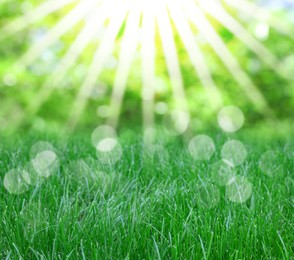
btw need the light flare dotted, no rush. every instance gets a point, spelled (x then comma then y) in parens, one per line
(127, 51)
(138, 23)
(99, 59)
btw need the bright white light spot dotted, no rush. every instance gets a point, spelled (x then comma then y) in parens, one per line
(48, 56)
(45, 163)
(40, 147)
(160, 85)
(231, 119)
(107, 145)
(208, 195)
(111, 63)
(109, 151)
(201, 147)
(262, 31)
(103, 132)
(234, 153)
(176, 122)
(221, 173)
(271, 163)
(161, 108)
(14, 181)
(9, 79)
(238, 189)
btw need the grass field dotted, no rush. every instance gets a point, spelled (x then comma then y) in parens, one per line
(156, 202)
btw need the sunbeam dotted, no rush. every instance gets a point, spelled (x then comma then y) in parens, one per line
(99, 59)
(128, 48)
(67, 23)
(146, 129)
(196, 56)
(226, 56)
(262, 15)
(148, 65)
(131, 26)
(239, 31)
(32, 17)
(170, 53)
(85, 36)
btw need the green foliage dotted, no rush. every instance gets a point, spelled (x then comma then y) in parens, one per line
(278, 91)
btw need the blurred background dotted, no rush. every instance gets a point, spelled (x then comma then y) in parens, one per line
(78, 64)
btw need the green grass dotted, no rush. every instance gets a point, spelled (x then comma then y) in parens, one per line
(144, 209)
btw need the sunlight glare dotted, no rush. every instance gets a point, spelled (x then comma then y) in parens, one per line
(125, 29)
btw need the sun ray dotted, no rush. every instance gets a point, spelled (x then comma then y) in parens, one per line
(92, 26)
(194, 52)
(71, 19)
(33, 16)
(171, 56)
(228, 59)
(265, 55)
(263, 15)
(128, 48)
(137, 22)
(103, 52)
(148, 66)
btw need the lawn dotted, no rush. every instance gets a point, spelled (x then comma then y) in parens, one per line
(197, 158)
(155, 201)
